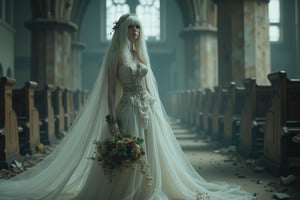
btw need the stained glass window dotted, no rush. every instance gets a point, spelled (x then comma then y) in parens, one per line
(274, 20)
(148, 12)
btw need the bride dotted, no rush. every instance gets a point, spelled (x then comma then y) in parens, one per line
(126, 90)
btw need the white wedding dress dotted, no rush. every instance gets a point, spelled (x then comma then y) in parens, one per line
(69, 174)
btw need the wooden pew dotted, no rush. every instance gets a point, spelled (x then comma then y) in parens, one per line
(188, 108)
(28, 117)
(78, 101)
(179, 103)
(59, 112)
(9, 132)
(215, 112)
(43, 102)
(181, 109)
(68, 107)
(218, 109)
(207, 110)
(192, 105)
(185, 109)
(199, 109)
(232, 114)
(176, 105)
(85, 95)
(172, 96)
(254, 108)
(281, 152)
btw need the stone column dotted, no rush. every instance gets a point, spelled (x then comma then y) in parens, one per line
(51, 30)
(75, 79)
(243, 41)
(201, 63)
(200, 36)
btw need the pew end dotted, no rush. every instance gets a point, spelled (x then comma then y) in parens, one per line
(9, 136)
(281, 154)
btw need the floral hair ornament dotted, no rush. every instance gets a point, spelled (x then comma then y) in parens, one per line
(118, 23)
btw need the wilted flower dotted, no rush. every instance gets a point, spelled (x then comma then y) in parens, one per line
(126, 140)
(119, 144)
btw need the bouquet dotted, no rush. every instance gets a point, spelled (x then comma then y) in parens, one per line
(121, 152)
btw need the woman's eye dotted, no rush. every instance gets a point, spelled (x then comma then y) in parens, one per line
(134, 26)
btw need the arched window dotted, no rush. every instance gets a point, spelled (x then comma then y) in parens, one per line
(114, 9)
(147, 10)
(274, 20)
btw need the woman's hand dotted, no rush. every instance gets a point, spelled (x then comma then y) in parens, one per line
(114, 129)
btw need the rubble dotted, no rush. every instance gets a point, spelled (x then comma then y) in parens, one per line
(281, 196)
(27, 161)
(288, 179)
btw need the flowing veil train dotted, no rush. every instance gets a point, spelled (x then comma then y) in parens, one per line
(67, 173)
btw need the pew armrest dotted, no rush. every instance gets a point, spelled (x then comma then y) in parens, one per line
(296, 139)
(236, 120)
(45, 120)
(258, 122)
(20, 129)
(291, 131)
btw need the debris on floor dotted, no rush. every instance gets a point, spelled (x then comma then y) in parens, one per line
(281, 196)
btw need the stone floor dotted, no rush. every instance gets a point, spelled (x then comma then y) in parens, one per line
(217, 163)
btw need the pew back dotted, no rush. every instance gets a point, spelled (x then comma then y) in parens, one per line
(233, 107)
(28, 117)
(254, 108)
(43, 102)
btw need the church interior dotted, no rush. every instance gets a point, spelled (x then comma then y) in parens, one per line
(228, 74)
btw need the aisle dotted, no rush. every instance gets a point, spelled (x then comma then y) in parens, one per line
(215, 163)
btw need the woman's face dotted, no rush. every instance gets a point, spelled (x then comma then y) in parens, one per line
(133, 32)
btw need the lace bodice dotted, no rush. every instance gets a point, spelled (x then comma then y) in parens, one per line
(135, 94)
(131, 75)
(131, 79)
